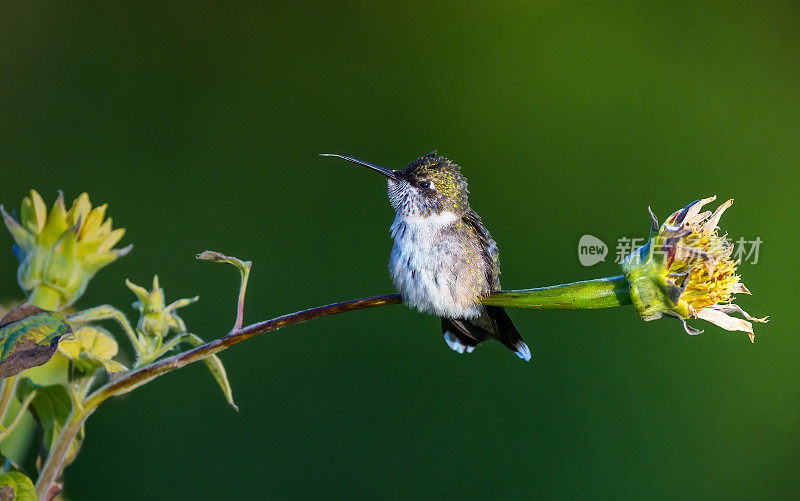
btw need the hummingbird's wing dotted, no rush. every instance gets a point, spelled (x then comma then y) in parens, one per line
(462, 335)
(489, 251)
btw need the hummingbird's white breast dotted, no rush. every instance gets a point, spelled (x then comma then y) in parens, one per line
(433, 269)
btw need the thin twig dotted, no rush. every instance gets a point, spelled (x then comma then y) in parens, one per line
(131, 380)
(136, 378)
(245, 275)
(107, 312)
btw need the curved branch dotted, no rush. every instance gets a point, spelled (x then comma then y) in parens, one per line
(133, 379)
(600, 293)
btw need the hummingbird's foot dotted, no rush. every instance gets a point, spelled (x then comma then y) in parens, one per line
(456, 344)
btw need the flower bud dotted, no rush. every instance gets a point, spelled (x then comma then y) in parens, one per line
(60, 251)
(156, 319)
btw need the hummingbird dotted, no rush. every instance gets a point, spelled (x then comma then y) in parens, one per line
(444, 259)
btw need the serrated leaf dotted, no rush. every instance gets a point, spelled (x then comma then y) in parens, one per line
(16, 486)
(214, 365)
(51, 407)
(29, 337)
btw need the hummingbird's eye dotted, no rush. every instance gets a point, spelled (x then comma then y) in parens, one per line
(425, 185)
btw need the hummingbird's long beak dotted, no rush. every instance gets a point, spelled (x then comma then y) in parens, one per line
(391, 174)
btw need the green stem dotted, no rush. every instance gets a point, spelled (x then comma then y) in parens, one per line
(54, 464)
(22, 408)
(245, 271)
(158, 353)
(45, 297)
(108, 312)
(9, 386)
(590, 294)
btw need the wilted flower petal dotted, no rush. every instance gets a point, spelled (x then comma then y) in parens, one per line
(721, 319)
(686, 270)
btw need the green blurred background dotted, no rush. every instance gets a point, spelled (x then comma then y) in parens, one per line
(201, 124)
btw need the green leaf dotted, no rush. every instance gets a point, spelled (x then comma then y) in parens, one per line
(29, 337)
(51, 407)
(16, 486)
(214, 365)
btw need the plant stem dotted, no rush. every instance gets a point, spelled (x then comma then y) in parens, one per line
(590, 294)
(107, 312)
(22, 408)
(51, 469)
(136, 378)
(245, 273)
(601, 293)
(9, 386)
(55, 460)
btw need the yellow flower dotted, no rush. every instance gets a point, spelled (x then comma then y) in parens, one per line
(686, 271)
(90, 347)
(60, 251)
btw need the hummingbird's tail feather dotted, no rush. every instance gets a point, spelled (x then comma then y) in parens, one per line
(456, 344)
(463, 335)
(504, 330)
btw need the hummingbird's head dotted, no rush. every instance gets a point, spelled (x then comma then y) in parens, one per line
(428, 186)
